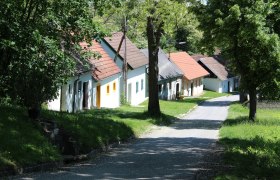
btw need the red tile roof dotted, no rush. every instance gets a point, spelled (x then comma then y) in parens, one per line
(103, 67)
(135, 58)
(188, 65)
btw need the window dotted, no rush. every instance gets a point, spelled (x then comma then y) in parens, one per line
(137, 84)
(108, 89)
(114, 86)
(142, 84)
(170, 85)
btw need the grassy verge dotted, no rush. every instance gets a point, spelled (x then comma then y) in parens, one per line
(211, 94)
(252, 148)
(99, 127)
(21, 142)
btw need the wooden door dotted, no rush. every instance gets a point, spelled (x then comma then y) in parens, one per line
(85, 95)
(98, 100)
(177, 91)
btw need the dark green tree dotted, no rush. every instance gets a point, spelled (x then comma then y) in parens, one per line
(177, 17)
(241, 30)
(36, 41)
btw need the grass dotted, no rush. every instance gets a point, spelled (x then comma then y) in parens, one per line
(23, 144)
(253, 148)
(21, 141)
(99, 127)
(212, 94)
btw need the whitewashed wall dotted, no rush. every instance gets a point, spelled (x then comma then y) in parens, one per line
(225, 87)
(79, 95)
(133, 76)
(213, 84)
(64, 101)
(111, 99)
(169, 92)
(217, 85)
(197, 87)
(55, 103)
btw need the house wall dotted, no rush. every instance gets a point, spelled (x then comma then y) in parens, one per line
(217, 85)
(133, 76)
(64, 101)
(192, 90)
(55, 103)
(67, 93)
(213, 84)
(168, 88)
(79, 91)
(198, 86)
(137, 79)
(111, 99)
(225, 87)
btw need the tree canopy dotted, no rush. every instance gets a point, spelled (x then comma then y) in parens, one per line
(250, 42)
(36, 38)
(181, 23)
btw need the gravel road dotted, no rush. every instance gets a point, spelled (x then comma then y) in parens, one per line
(165, 153)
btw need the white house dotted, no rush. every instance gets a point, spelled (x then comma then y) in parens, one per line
(219, 79)
(169, 78)
(193, 73)
(137, 64)
(97, 86)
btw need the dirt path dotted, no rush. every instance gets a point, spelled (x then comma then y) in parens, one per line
(166, 153)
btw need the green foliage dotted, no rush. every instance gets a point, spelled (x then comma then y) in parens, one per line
(36, 41)
(21, 142)
(100, 127)
(123, 99)
(252, 148)
(92, 129)
(241, 30)
(176, 15)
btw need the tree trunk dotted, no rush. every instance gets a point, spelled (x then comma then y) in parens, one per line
(242, 94)
(253, 104)
(153, 106)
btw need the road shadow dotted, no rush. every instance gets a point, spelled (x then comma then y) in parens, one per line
(197, 124)
(215, 103)
(148, 158)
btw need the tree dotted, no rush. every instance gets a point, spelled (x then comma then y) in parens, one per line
(154, 33)
(36, 41)
(240, 29)
(178, 16)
